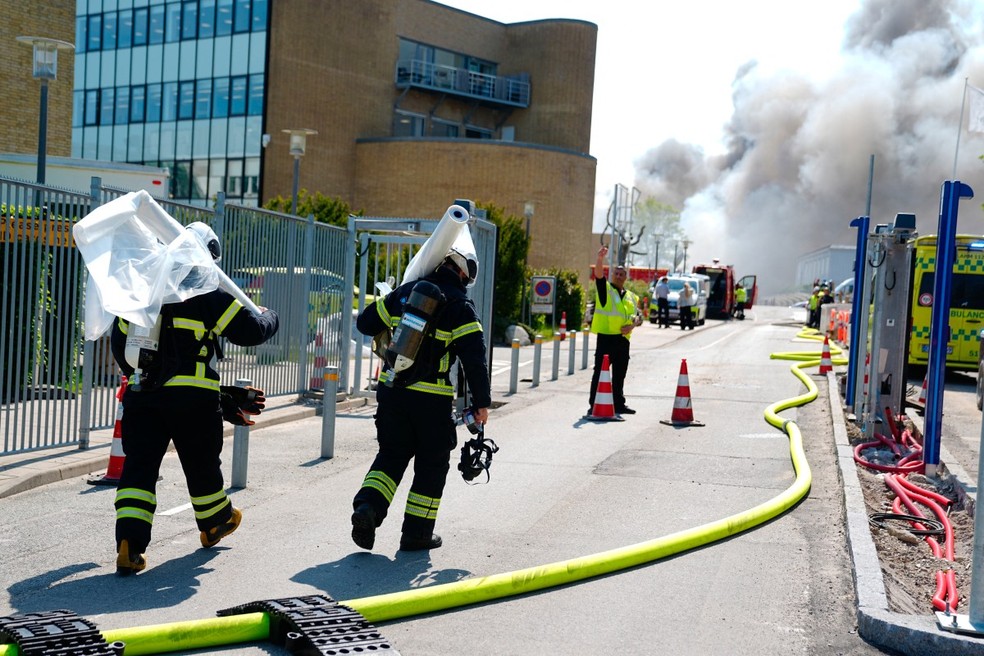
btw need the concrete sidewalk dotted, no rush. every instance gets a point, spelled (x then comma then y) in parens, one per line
(27, 470)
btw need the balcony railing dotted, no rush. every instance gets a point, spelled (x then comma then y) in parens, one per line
(513, 90)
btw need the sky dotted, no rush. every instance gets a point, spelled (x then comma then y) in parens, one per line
(758, 120)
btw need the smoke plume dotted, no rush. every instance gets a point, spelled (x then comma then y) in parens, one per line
(798, 151)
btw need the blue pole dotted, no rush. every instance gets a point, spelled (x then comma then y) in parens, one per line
(861, 223)
(939, 332)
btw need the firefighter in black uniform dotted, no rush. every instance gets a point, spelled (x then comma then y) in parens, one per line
(414, 417)
(180, 402)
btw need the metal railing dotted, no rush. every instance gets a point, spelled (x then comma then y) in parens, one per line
(55, 387)
(508, 90)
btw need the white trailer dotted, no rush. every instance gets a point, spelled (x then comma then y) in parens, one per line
(76, 174)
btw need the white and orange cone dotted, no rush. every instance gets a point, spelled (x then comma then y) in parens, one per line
(604, 403)
(116, 455)
(922, 391)
(317, 380)
(563, 325)
(826, 366)
(683, 411)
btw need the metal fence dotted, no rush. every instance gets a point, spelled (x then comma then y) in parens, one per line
(55, 387)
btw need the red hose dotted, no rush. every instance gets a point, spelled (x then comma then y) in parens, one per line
(908, 494)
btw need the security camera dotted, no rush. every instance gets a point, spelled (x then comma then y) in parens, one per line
(266, 140)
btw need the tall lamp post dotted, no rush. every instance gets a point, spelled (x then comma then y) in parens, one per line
(528, 211)
(45, 69)
(298, 144)
(686, 244)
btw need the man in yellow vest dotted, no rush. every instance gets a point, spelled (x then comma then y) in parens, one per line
(615, 316)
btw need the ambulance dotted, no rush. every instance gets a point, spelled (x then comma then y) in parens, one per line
(966, 302)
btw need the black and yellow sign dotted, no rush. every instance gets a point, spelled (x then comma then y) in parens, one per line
(50, 232)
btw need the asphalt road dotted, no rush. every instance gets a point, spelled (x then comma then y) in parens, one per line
(561, 488)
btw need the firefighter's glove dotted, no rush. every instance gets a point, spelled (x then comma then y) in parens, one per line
(240, 403)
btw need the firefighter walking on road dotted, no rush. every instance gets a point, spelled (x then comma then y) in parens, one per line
(175, 396)
(414, 417)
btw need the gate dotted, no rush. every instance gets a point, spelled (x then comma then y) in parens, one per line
(56, 387)
(384, 248)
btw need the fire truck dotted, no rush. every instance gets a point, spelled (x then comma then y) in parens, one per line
(721, 298)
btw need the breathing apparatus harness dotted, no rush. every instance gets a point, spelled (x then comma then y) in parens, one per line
(476, 453)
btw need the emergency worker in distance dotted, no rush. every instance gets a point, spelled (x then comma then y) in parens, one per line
(414, 418)
(615, 317)
(741, 297)
(176, 398)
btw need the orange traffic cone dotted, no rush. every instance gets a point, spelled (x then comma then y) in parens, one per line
(604, 405)
(563, 325)
(116, 455)
(922, 392)
(826, 366)
(683, 412)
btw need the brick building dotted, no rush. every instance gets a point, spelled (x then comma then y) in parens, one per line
(414, 104)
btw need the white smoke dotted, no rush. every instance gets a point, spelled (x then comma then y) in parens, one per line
(796, 167)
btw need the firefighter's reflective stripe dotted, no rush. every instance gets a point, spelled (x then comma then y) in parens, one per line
(200, 379)
(385, 315)
(193, 325)
(420, 506)
(134, 503)
(203, 505)
(382, 483)
(436, 387)
(227, 316)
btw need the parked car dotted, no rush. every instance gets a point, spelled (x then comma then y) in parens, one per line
(698, 282)
(844, 292)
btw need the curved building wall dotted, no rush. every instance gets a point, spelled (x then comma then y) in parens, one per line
(422, 177)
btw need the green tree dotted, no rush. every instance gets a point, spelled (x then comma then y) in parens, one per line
(662, 223)
(510, 265)
(333, 211)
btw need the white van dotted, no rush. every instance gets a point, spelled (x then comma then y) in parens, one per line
(701, 285)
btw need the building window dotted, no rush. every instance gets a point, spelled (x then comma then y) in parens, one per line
(95, 33)
(237, 103)
(220, 98)
(122, 106)
(107, 104)
(255, 95)
(441, 128)
(169, 102)
(92, 107)
(140, 17)
(472, 132)
(186, 100)
(259, 15)
(223, 17)
(156, 30)
(80, 34)
(172, 21)
(153, 103)
(125, 35)
(243, 19)
(189, 20)
(206, 19)
(109, 31)
(138, 103)
(406, 124)
(203, 99)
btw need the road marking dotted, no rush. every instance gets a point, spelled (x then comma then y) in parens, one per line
(707, 346)
(176, 510)
(496, 372)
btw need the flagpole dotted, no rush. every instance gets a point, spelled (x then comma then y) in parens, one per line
(963, 101)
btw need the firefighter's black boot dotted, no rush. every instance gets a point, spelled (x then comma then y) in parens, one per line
(364, 526)
(411, 542)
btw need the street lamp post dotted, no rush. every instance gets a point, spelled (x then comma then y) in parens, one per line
(686, 244)
(45, 69)
(298, 144)
(528, 211)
